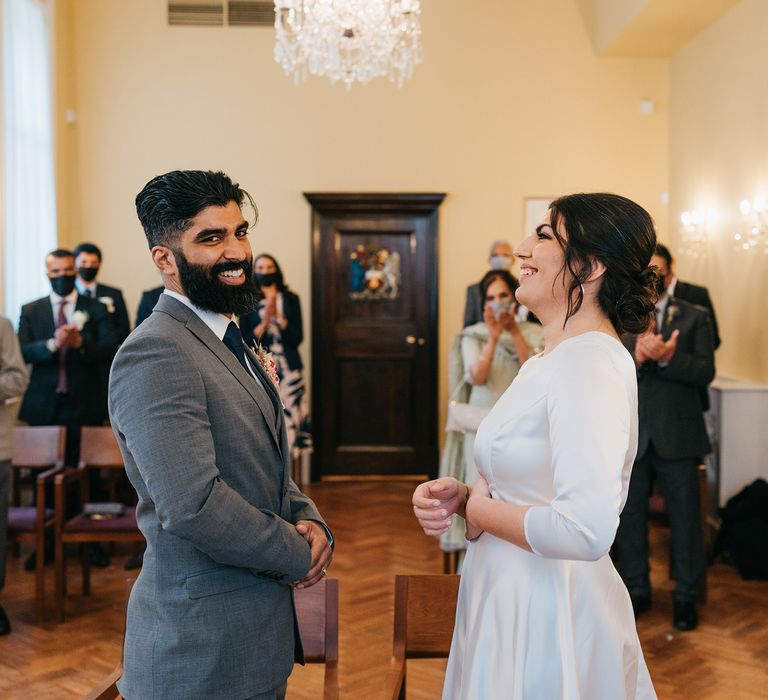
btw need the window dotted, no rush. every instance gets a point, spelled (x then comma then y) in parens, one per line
(29, 196)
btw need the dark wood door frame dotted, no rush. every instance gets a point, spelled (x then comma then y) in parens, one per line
(334, 209)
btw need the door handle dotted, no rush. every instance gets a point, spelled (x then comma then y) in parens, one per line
(410, 339)
(421, 341)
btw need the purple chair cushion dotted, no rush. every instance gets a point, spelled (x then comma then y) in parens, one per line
(24, 519)
(82, 523)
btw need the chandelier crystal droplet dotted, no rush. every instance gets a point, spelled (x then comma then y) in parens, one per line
(348, 40)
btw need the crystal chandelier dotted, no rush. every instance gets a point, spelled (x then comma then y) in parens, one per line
(348, 40)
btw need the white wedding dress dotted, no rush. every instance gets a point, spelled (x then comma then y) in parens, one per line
(555, 623)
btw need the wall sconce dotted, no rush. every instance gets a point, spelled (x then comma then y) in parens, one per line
(693, 233)
(752, 233)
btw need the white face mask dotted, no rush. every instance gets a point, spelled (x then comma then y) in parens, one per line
(501, 262)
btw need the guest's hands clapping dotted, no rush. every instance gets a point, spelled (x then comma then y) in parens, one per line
(68, 336)
(314, 533)
(434, 502)
(651, 346)
(495, 324)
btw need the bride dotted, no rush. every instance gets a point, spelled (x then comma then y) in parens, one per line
(542, 613)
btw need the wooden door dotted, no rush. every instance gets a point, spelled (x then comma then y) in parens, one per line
(374, 333)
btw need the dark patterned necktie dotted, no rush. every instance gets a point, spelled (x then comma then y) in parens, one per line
(233, 339)
(61, 385)
(87, 292)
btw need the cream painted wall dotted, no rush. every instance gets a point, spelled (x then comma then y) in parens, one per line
(718, 149)
(510, 101)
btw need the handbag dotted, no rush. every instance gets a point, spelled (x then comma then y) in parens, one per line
(463, 417)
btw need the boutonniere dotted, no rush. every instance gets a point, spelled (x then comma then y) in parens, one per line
(268, 364)
(672, 311)
(79, 319)
(109, 302)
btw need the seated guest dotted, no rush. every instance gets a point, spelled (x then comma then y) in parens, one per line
(67, 338)
(13, 381)
(485, 358)
(277, 327)
(147, 304)
(88, 263)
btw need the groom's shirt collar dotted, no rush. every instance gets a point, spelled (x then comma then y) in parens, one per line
(218, 323)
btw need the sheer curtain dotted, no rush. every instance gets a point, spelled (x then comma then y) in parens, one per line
(29, 196)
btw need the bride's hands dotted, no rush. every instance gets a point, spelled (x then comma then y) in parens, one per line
(434, 502)
(478, 493)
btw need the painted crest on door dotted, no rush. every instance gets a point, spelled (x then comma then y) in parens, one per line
(374, 273)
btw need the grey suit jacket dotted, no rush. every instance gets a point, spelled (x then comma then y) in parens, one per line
(211, 614)
(669, 397)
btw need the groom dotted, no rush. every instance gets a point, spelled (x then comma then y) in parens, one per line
(201, 429)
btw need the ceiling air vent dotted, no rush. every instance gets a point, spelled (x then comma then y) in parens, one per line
(251, 13)
(196, 13)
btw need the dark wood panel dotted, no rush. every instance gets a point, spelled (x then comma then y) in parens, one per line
(373, 404)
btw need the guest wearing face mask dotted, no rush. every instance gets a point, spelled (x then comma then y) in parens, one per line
(88, 263)
(500, 257)
(66, 338)
(276, 327)
(485, 357)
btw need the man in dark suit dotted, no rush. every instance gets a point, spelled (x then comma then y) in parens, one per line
(201, 429)
(692, 293)
(147, 303)
(88, 263)
(675, 362)
(67, 338)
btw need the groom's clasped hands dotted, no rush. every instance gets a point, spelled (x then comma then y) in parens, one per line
(320, 549)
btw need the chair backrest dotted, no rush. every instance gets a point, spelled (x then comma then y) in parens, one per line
(38, 446)
(317, 609)
(98, 447)
(425, 614)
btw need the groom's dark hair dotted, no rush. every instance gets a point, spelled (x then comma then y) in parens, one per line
(168, 203)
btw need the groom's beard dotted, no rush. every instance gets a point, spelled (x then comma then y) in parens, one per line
(204, 289)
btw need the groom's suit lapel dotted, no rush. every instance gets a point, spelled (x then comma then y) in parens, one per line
(195, 325)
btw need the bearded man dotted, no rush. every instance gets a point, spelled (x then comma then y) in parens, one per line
(201, 429)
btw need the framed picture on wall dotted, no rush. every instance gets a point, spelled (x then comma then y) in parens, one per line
(534, 210)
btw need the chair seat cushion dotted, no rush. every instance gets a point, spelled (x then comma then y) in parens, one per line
(24, 519)
(124, 523)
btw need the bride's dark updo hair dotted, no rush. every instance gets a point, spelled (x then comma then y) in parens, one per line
(620, 234)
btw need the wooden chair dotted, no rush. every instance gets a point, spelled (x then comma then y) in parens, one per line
(98, 450)
(657, 513)
(36, 448)
(425, 613)
(317, 609)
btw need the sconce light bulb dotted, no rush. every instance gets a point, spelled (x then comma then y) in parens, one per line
(686, 218)
(745, 207)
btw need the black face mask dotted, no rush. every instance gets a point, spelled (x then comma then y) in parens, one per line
(87, 274)
(201, 284)
(63, 284)
(266, 280)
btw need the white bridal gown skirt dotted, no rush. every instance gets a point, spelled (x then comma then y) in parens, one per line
(533, 628)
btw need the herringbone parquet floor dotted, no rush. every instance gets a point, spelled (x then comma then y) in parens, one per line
(377, 537)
